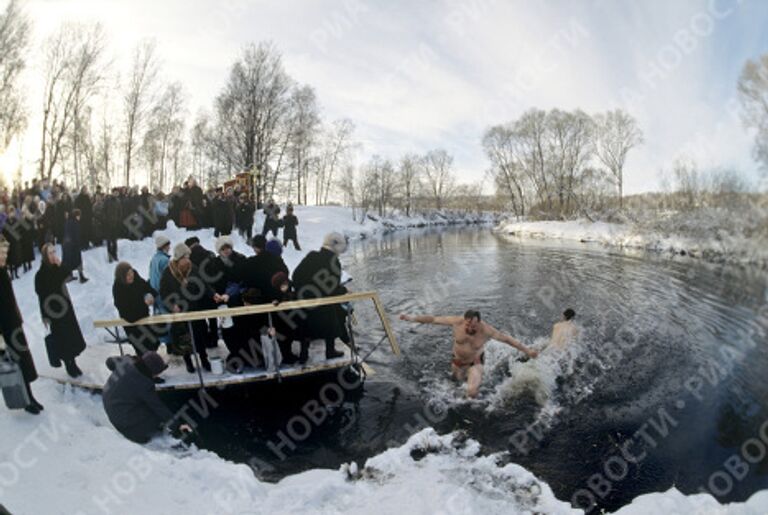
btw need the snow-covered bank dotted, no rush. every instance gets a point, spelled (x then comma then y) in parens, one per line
(70, 460)
(710, 235)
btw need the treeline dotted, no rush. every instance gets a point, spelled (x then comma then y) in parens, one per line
(109, 124)
(559, 164)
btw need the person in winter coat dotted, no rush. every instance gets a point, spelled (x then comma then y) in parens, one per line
(204, 270)
(12, 332)
(131, 401)
(56, 309)
(244, 217)
(72, 247)
(181, 290)
(290, 222)
(29, 232)
(112, 223)
(223, 214)
(12, 233)
(157, 266)
(226, 270)
(132, 297)
(85, 205)
(271, 218)
(317, 276)
(287, 326)
(257, 271)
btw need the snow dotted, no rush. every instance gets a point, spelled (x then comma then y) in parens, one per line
(714, 235)
(70, 460)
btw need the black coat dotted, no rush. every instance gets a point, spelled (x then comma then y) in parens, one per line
(317, 276)
(84, 204)
(57, 308)
(112, 221)
(223, 215)
(129, 298)
(131, 402)
(227, 274)
(257, 271)
(72, 246)
(244, 215)
(289, 226)
(13, 233)
(12, 330)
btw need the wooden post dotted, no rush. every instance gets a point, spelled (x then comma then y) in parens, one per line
(385, 322)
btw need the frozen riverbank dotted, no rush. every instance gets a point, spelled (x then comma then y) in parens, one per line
(713, 235)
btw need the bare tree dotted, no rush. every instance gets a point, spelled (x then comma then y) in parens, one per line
(137, 99)
(73, 71)
(753, 94)
(439, 177)
(336, 148)
(505, 168)
(305, 120)
(165, 128)
(615, 135)
(14, 39)
(250, 112)
(410, 172)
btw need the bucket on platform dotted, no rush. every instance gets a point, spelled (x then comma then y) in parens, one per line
(217, 366)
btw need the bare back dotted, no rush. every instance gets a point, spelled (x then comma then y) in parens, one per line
(563, 333)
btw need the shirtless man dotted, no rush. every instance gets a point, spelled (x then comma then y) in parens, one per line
(564, 331)
(470, 334)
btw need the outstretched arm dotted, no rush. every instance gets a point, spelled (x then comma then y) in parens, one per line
(429, 319)
(509, 340)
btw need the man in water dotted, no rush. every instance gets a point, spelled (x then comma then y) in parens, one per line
(470, 334)
(564, 331)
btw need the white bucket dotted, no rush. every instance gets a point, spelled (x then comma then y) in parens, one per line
(217, 366)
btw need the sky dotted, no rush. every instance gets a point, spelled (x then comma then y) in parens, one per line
(419, 75)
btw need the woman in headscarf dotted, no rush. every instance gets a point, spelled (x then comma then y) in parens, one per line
(133, 296)
(175, 295)
(56, 309)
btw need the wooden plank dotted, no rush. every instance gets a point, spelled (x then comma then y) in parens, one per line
(385, 322)
(235, 312)
(247, 378)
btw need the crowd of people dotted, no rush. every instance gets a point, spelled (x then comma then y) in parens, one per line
(49, 212)
(37, 217)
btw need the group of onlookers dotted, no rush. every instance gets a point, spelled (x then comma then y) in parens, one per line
(189, 277)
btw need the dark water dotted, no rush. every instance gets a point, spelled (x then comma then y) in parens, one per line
(665, 390)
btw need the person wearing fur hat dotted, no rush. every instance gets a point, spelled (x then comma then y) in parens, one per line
(183, 291)
(317, 276)
(132, 297)
(173, 292)
(131, 402)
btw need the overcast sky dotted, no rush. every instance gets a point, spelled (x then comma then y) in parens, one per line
(416, 75)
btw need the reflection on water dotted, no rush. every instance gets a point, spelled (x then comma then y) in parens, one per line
(671, 350)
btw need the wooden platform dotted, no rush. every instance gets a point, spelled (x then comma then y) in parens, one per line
(93, 360)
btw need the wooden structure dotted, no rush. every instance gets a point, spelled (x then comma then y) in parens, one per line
(179, 379)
